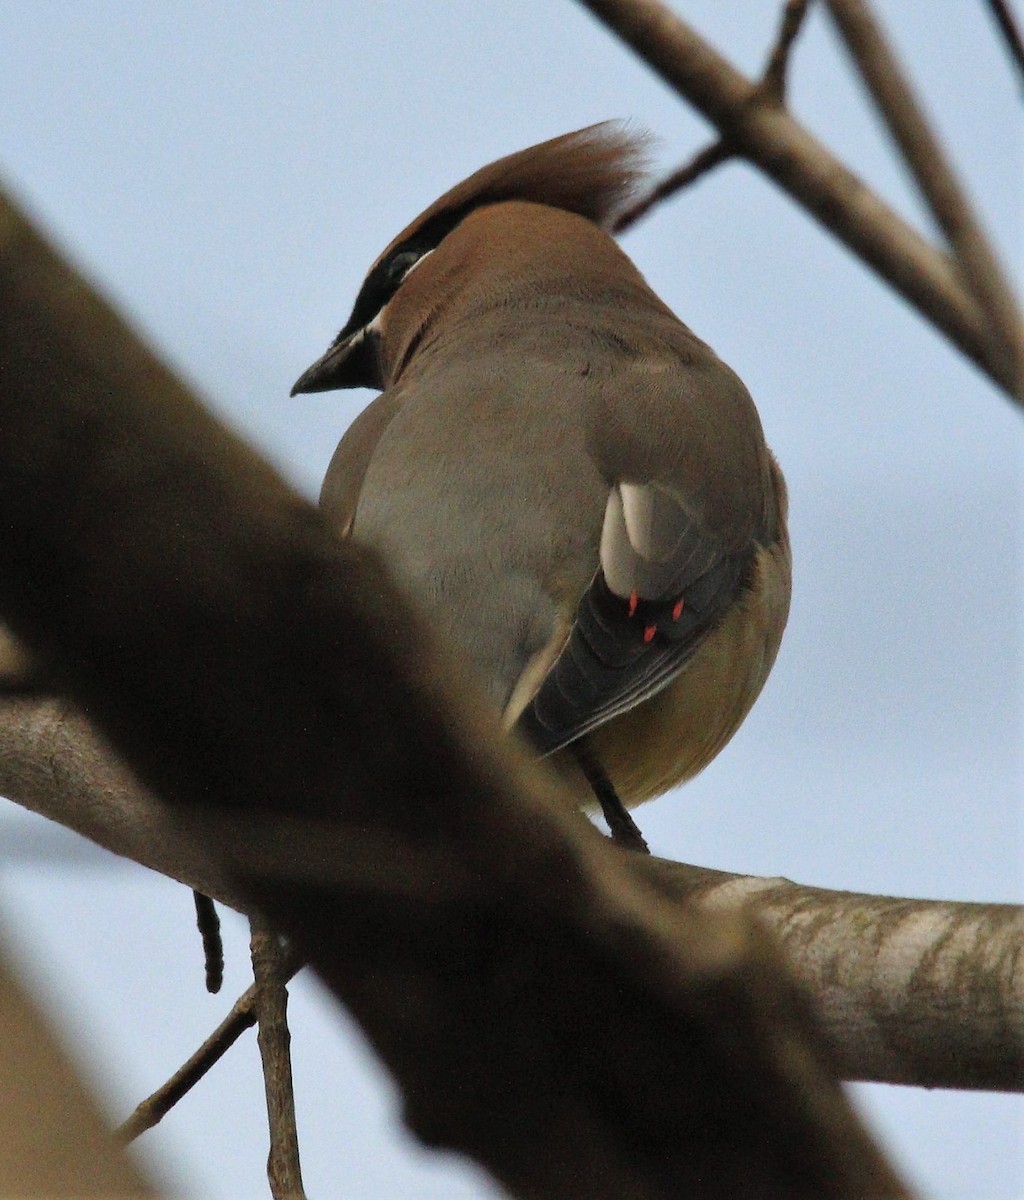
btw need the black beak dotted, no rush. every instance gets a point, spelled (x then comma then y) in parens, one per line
(350, 362)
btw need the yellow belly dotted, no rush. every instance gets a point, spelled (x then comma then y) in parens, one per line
(676, 733)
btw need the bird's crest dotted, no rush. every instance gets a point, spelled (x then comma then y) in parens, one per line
(592, 172)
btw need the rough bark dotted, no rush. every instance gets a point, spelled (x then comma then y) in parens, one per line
(924, 992)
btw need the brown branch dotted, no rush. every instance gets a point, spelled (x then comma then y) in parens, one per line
(772, 87)
(883, 75)
(932, 1033)
(487, 940)
(919, 992)
(155, 1107)
(54, 763)
(703, 161)
(768, 136)
(54, 1139)
(269, 967)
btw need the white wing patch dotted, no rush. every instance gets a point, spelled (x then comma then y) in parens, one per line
(650, 544)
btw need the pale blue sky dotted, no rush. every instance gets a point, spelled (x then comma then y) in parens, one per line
(227, 171)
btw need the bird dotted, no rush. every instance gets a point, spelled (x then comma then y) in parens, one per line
(566, 481)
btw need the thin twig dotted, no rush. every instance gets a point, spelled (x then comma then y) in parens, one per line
(703, 161)
(935, 177)
(769, 138)
(269, 965)
(1000, 10)
(773, 81)
(155, 1107)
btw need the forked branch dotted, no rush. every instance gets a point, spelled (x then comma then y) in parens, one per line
(156, 1106)
(772, 88)
(755, 126)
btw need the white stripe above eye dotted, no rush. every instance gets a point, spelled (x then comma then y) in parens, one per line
(374, 326)
(422, 258)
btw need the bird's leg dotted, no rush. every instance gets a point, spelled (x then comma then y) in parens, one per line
(623, 828)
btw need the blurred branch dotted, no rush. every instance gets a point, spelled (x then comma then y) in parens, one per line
(935, 177)
(773, 82)
(54, 763)
(760, 129)
(54, 1141)
(155, 1107)
(300, 723)
(1000, 11)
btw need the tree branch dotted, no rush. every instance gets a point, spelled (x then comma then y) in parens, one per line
(270, 969)
(935, 177)
(923, 992)
(300, 722)
(960, 1024)
(773, 87)
(54, 763)
(763, 132)
(773, 81)
(1003, 18)
(155, 1107)
(713, 155)
(54, 1139)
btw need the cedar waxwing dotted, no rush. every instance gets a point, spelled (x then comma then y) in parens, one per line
(569, 483)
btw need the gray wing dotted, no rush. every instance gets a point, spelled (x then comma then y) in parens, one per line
(660, 590)
(692, 499)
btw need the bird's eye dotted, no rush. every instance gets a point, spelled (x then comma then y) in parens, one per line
(399, 266)
(381, 284)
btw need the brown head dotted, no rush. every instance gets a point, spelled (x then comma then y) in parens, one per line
(591, 174)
